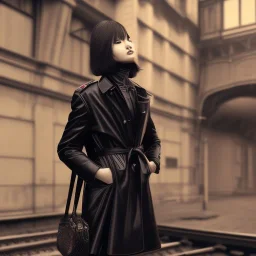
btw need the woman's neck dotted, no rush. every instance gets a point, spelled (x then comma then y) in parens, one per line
(121, 75)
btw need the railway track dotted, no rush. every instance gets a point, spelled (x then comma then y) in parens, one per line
(175, 241)
(37, 243)
(180, 242)
(29, 235)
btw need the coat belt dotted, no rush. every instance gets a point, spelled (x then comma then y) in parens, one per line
(139, 151)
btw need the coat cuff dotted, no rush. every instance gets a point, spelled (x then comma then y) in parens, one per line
(83, 166)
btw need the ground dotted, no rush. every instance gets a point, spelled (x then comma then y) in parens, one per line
(231, 214)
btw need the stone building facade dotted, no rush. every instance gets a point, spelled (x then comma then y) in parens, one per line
(226, 96)
(44, 57)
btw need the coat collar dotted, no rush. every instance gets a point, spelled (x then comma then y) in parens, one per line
(105, 85)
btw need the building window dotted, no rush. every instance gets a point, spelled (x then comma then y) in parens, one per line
(231, 13)
(24, 6)
(211, 19)
(238, 13)
(247, 12)
(81, 29)
(208, 19)
(171, 162)
(18, 26)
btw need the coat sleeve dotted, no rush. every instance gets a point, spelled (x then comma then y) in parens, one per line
(152, 144)
(70, 147)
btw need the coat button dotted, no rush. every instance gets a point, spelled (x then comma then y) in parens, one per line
(125, 121)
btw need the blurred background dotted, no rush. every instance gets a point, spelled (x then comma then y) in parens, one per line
(198, 60)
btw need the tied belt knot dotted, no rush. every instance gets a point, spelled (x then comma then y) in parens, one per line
(139, 151)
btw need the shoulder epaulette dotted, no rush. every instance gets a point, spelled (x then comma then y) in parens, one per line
(85, 85)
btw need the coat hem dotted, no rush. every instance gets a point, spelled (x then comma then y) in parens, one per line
(142, 252)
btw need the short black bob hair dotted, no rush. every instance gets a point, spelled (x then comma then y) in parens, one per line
(101, 55)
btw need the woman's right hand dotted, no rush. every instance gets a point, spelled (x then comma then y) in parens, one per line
(105, 175)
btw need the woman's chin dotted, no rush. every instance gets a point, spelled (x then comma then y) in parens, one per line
(130, 59)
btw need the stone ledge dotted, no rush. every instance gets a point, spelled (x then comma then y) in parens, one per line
(195, 215)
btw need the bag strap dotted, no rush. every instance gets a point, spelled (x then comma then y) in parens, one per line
(77, 195)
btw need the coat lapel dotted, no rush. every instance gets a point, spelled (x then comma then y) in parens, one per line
(121, 112)
(143, 105)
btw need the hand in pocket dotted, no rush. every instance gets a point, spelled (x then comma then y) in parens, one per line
(105, 175)
(152, 166)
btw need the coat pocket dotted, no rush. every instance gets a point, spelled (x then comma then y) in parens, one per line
(98, 181)
(103, 163)
(148, 168)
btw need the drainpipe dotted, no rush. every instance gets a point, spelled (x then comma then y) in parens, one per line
(206, 187)
(199, 140)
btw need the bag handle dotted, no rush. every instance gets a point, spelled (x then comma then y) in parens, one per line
(77, 194)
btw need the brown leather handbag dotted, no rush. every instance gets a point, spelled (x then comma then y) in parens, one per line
(73, 231)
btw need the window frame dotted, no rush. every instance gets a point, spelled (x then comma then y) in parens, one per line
(34, 17)
(86, 24)
(171, 166)
(239, 16)
(5, 2)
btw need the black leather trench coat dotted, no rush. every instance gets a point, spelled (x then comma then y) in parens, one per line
(121, 213)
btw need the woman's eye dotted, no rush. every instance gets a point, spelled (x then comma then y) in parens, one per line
(129, 39)
(117, 42)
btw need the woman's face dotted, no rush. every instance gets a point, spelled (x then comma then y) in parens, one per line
(124, 50)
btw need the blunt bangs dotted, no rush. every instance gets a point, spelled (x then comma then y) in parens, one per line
(119, 32)
(101, 55)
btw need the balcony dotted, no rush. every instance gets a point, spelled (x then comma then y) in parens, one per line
(226, 19)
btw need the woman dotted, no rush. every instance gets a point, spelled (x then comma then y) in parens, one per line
(111, 118)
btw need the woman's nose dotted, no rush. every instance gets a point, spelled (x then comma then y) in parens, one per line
(128, 47)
